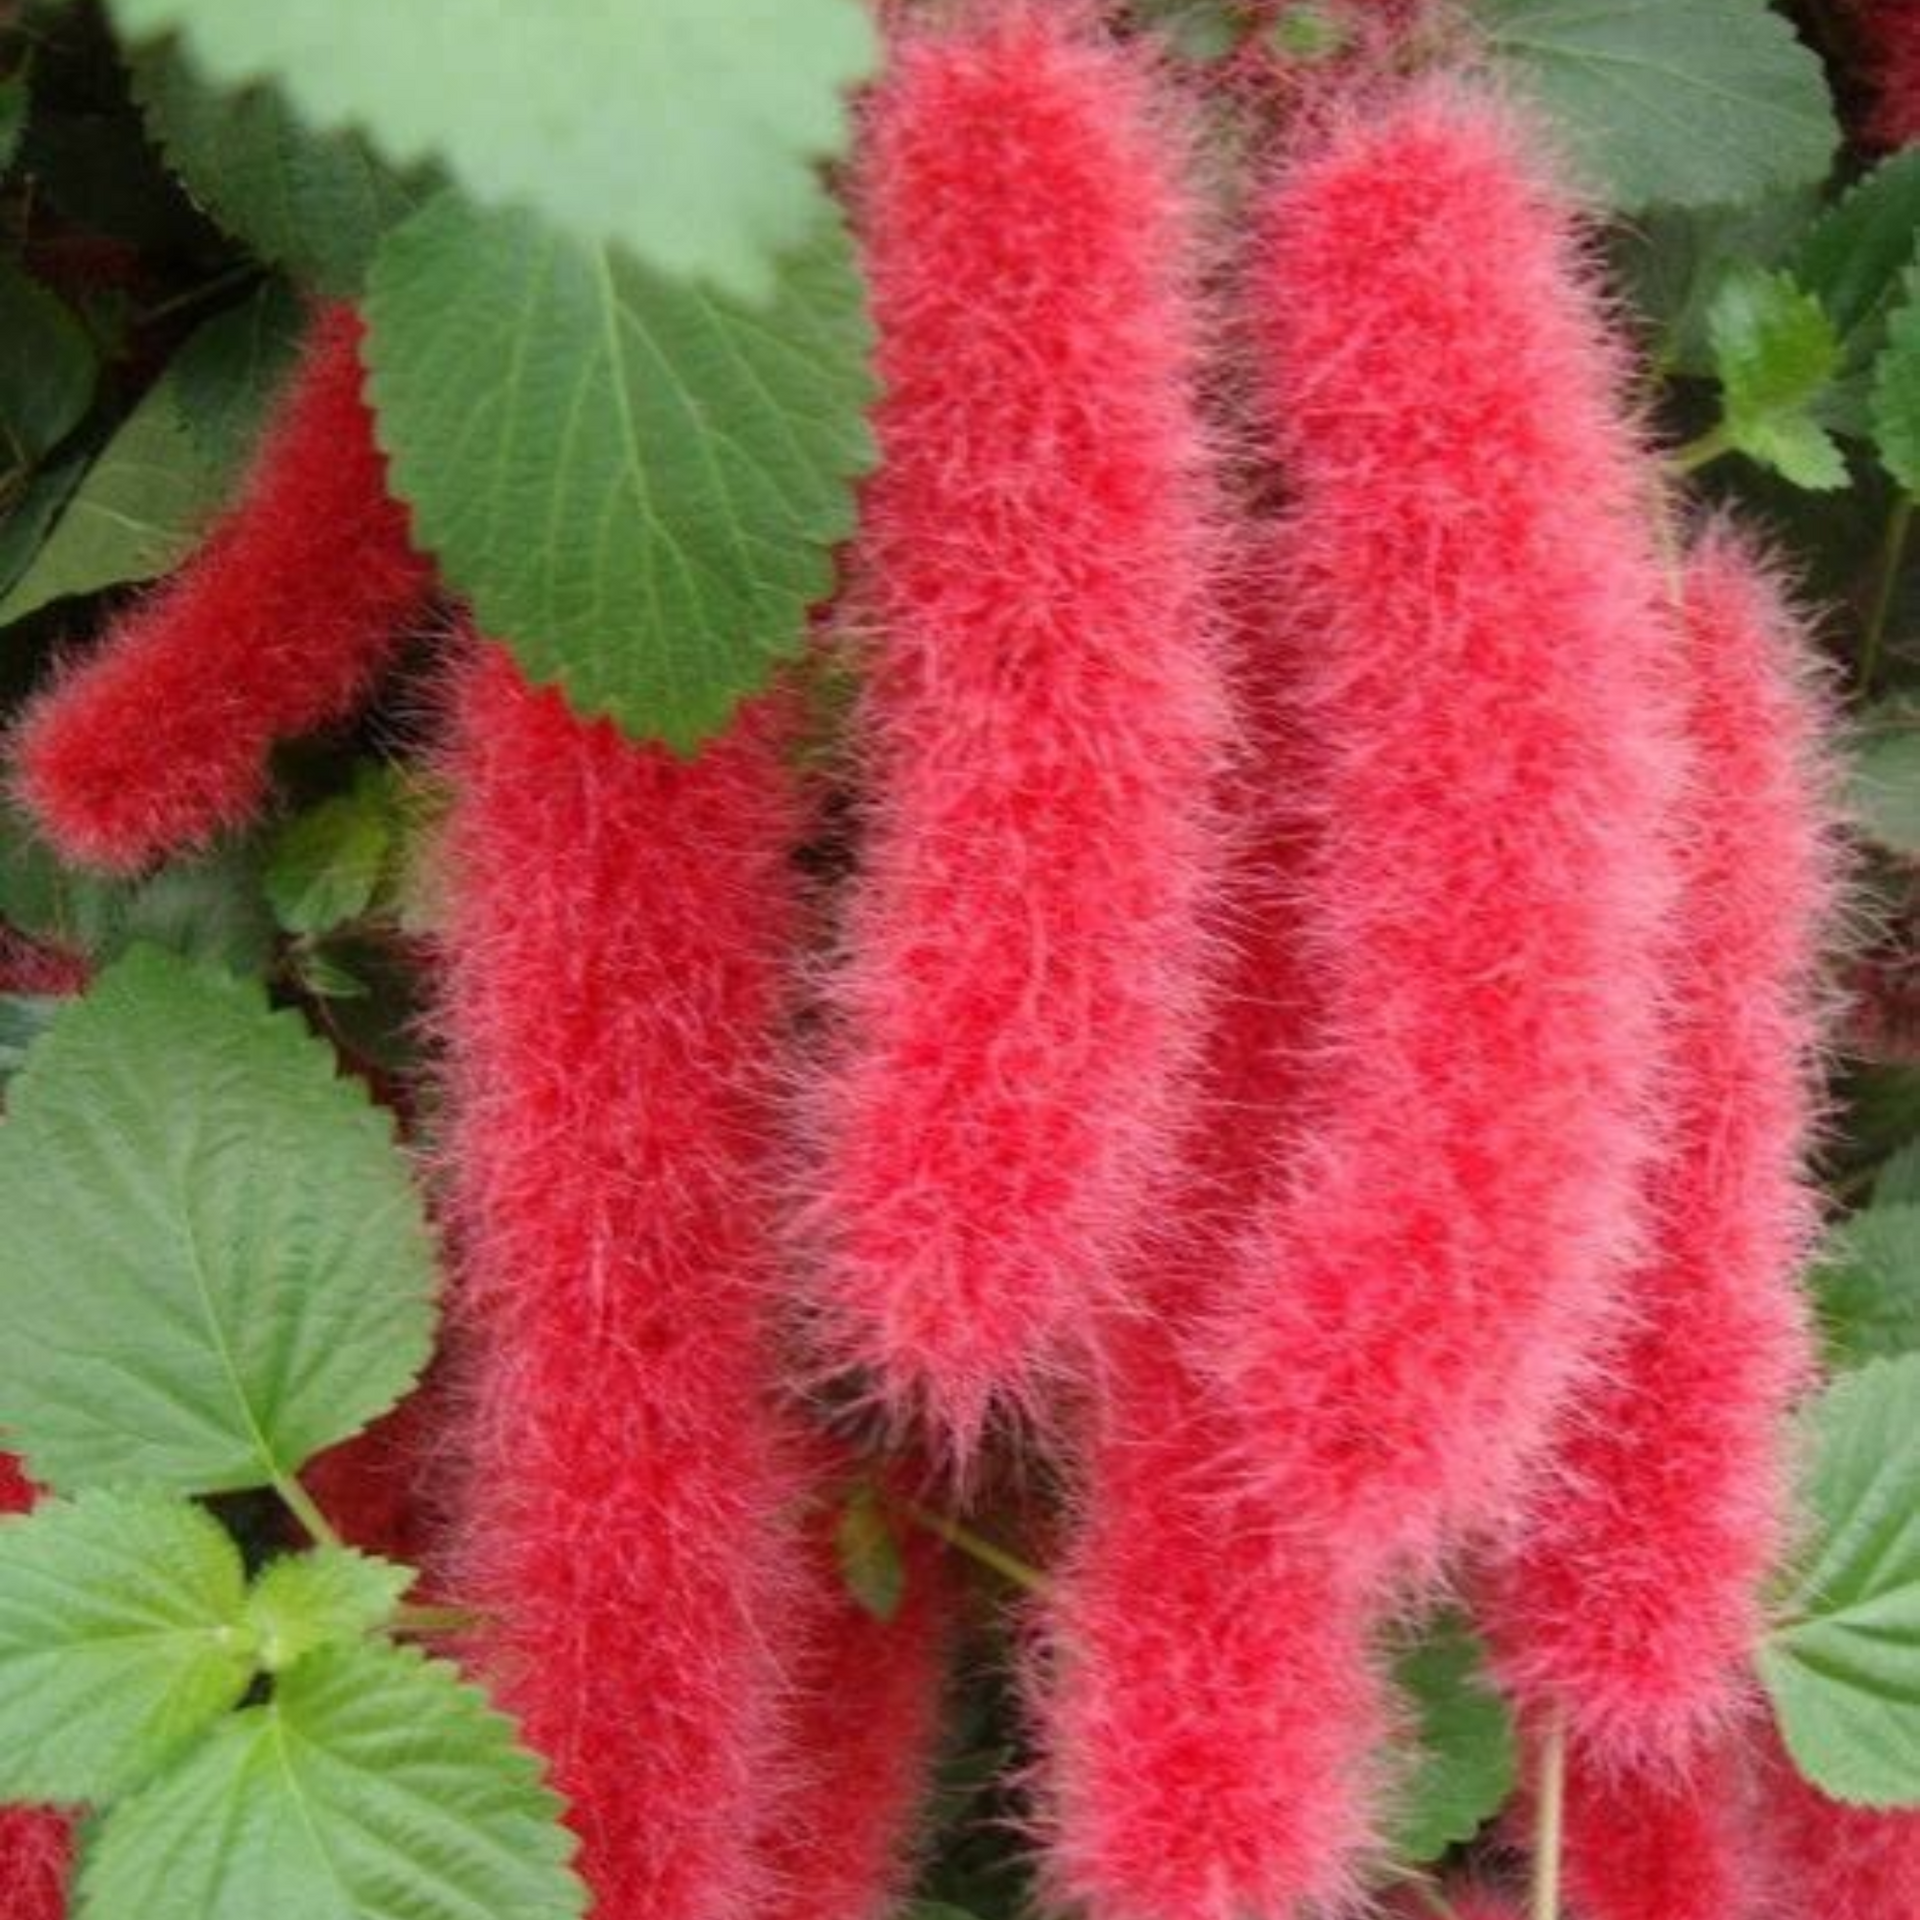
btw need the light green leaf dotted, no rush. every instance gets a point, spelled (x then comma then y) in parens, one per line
(637, 484)
(1853, 260)
(311, 203)
(121, 1640)
(1714, 102)
(229, 374)
(683, 130)
(216, 1263)
(871, 1563)
(373, 1783)
(319, 1599)
(1843, 1667)
(1867, 1282)
(325, 865)
(46, 369)
(1774, 351)
(1467, 1758)
(1895, 396)
(1885, 784)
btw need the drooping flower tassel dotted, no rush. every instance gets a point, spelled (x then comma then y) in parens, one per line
(1632, 1604)
(1019, 1004)
(35, 1843)
(615, 948)
(160, 739)
(1836, 1862)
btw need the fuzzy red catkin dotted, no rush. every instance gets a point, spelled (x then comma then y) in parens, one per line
(1632, 1602)
(1209, 1718)
(1890, 34)
(1020, 997)
(35, 1847)
(1487, 751)
(1835, 1862)
(617, 920)
(160, 739)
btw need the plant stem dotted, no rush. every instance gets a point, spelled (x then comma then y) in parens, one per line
(437, 1619)
(304, 1509)
(1549, 1818)
(1010, 1567)
(1701, 452)
(1893, 552)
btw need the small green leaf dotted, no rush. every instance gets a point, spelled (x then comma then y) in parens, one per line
(1774, 351)
(319, 1599)
(216, 1263)
(1867, 1282)
(637, 484)
(1467, 1755)
(47, 369)
(1885, 784)
(682, 130)
(313, 204)
(372, 1783)
(871, 1563)
(1895, 395)
(1853, 260)
(1843, 1667)
(121, 1640)
(227, 376)
(324, 865)
(1710, 103)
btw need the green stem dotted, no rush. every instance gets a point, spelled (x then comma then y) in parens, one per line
(1893, 552)
(1549, 1818)
(1701, 452)
(1012, 1569)
(438, 1619)
(304, 1509)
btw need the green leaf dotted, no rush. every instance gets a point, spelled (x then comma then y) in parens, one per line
(140, 510)
(325, 865)
(1843, 1668)
(1467, 1755)
(207, 908)
(1710, 103)
(373, 1783)
(229, 374)
(216, 1263)
(313, 204)
(1867, 1282)
(24, 530)
(24, 1017)
(1895, 396)
(1199, 30)
(682, 130)
(1897, 1184)
(46, 369)
(1853, 260)
(871, 1563)
(1885, 786)
(121, 1640)
(1774, 351)
(320, 1599)
(636, 483)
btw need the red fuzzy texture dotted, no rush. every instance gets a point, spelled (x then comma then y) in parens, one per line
(1021, 1000)
(1890, 31)
(35, 1848)
(1667, 1846)
(1486, 748)
(1633, 1602)
(864, 1722)
(161, 739)
(1836, 1862)
(613, 980)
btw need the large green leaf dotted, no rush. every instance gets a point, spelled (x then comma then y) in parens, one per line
(1885, 784)
(312, 203)
(226, 377)
(638, 484)
(1854, 258)
(372, 1784)
(216, 1263)
(1843, 1667)
(121, 1639)
(1467, 1759)
(46, 369)
(1868, 1283)
(1707, 103)
(24, 1017)
(1895, 404)
(682, 129)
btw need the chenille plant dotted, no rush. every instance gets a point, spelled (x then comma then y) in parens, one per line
(956, 959)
